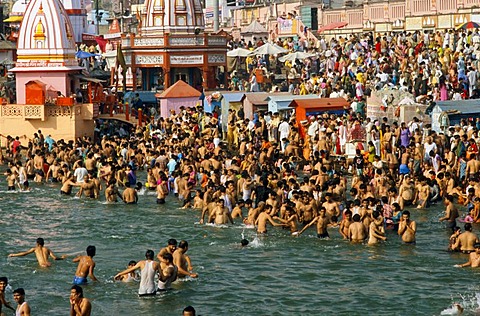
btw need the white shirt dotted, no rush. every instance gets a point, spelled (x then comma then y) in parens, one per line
(284, 130)
(80, 173)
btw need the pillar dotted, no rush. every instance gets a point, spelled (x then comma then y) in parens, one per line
(166, 78)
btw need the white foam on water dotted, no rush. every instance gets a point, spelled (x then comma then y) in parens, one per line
(469, 303)
(186, 279)
(217, 226)
(256, 243)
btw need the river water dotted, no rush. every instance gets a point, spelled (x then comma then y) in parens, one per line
(274, 275)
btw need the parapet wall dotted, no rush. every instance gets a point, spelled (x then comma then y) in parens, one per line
(61, 122)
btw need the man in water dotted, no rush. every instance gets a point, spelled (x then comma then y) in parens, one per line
(42, 253)
(85, 268)
(263, 218)
(168, 274)
(3, 285)
(132, 276)
(129, 195)
(148, 268)
(170, 248)
(466, 240)
(23, 309)
(322, 223)
(375, 232)
(451, 212)
(181, 260)
(357, 232)
(407, 228)
(79, 305)
(188, 311)
(473, 259)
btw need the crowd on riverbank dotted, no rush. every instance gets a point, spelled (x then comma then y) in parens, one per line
(440, 64)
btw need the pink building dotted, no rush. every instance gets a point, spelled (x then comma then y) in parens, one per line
(47, 76)
(178, 95)
(376, 16)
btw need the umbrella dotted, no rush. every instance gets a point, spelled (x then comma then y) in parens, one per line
(294, 56)
(269, 49)
(239, 52)
(332, 26)
(468, 25)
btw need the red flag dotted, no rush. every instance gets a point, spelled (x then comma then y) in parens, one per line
(101, 42)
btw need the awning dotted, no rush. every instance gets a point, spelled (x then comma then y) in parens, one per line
(83, 78)
(14, 18)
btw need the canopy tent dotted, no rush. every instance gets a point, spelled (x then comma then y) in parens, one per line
(239, 52)
(255, 29)
(332, 26)
(294, 56)
(269, 49)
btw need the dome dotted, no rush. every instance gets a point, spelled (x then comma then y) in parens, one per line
(45, 33)
(19, 7)
(172, 16)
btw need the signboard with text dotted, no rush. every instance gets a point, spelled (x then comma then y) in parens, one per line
(186, 60)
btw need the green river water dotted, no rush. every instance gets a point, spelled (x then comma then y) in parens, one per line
(274, 275)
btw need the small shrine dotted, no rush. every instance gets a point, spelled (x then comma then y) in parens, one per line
(176, 96)
(171, 45)
(47, 77)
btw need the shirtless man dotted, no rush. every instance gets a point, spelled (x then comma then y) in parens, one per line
(180, 259)
(23, 309)
(87, 188)
(168, 274)
(322, 223)
(466, 240)
(79, 305)
(263, 218)
(111, 192)
(67, 184)
(220, 214)
(252, 213)
(407, 190)
(451, 212)
(357, 232)
(129, 195)
(170, 248)
(237, 210)
(291, 220)
(375, 232)
(473, 259)
(344, 228)
(3, 302)
(423, 193)
(472, 167)
(38, 161)
(42, 253)
(85, 268)
(162, 190)
(331, 206)
(407, 228)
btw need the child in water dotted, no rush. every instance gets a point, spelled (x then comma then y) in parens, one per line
(129, 277)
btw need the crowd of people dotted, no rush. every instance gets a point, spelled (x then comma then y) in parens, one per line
(269, 170)
(436, 65)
